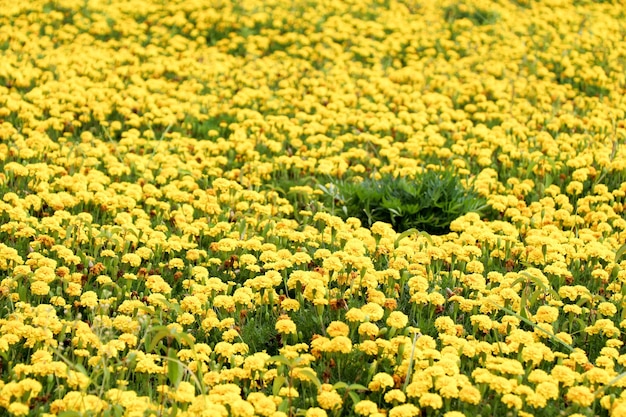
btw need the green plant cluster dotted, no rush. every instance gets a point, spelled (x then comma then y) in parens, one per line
(428, 202)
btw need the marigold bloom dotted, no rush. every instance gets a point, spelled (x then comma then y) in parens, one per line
(397, 319)
(580, 395)
(337, 328)
(395, 395)
(381, 381)
(404, 410)
(39, 288)
(328, 398)
(365, 408)
(285, 326)
(316, 412)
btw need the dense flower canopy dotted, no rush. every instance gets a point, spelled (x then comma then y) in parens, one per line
(168, 247)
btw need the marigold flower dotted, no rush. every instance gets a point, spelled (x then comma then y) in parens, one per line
(365, 408)
(337, 328)
(285, 326)
(39, 288)
(470, 394)
(404, 410)
(397, 320)
(381, 381)
(328, 398)
(395, 395)
(316, 412)
(546, 314)
(580, 395)
(340, 344)
(132, 259)
(368, 329)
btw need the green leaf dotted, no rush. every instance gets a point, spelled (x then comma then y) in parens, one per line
(184, 337)
(620, 252)
(69, 413)
(310, 375)
(282, 360)
(340, 385)
(357, 387)
(283, 406)
(354, 397)
(174, 368)
(533, 325)
(523, 302)
(162, 334)
(279, 381)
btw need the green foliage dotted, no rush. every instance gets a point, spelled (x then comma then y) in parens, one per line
(430, 202)
(260, 336)
(476, 15)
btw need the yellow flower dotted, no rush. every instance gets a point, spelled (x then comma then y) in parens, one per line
(470, 394)
(365, 408)
(89, 299)
(445, 325)
(368, 329)
(373, 311)
(337, 328)
(546, 314)
(285, 325)
(395, 395)
(185, 392)
(18, 409)
(328, 398)
(397, 320)
(381, 381)
(340, 344)
(431, 400)
(355, 315)
(45, 274)
(74, 289)
(263, 405)
(548, 389)
(316, 412)
(580, 395)
(574, 187)
(39, 288)
(368, 347)
(607, 309)
(241, 408)
(565, 375)
(131, 259)
(288, 392)
(289, 304)
(156, 284)
(404, 410)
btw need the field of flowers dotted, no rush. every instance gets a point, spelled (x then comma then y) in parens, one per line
(177, 236)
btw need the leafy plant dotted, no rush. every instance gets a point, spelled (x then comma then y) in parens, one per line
(430, 202)
(476, 15)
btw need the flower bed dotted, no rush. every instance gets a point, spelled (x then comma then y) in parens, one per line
(181, 230)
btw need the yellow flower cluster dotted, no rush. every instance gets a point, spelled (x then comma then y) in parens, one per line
(167, 247)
